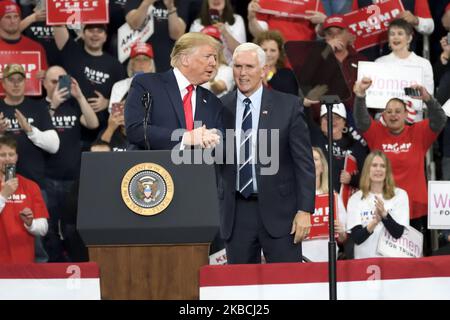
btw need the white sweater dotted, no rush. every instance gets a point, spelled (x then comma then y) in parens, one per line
(362, 211)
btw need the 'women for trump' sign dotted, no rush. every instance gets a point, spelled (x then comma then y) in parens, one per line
(439, 205)
(389, 81)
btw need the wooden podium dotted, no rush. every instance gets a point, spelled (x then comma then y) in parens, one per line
(168, 272)
(147, 257)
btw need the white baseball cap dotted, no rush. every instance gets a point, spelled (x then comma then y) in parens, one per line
(338, 109)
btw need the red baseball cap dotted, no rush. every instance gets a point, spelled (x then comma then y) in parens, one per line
(141, 48)
(8, 7)
(212, 31)
(334, 21)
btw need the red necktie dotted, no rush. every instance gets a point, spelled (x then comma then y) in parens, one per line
(187, 106)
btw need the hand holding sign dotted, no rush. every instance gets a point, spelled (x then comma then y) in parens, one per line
(345, 177)
(252, 8)
(409, 17)
(315, 17)
(40, 14)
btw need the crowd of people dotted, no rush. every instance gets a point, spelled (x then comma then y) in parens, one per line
(198, 60)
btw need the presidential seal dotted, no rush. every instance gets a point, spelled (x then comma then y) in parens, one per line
(147, 189)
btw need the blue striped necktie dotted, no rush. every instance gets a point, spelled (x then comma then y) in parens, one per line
(246, 156)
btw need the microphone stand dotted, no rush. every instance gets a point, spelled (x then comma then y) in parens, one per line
(329, 101)
(146, 103)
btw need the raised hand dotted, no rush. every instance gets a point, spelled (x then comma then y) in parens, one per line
(361, 86)
(315, 17)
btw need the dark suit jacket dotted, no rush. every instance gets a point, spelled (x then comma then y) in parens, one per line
(292, 188)
(167, 112)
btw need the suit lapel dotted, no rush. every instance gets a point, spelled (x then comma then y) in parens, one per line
(263, 124)
(200, 106)
(265, 110)
(230, 123)
(171, 87)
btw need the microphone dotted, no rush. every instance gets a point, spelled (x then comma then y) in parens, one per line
(147, 101)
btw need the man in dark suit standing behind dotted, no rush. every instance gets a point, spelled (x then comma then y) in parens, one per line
(261, 209)
(176, 99)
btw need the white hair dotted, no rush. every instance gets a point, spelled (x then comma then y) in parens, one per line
(250, 46)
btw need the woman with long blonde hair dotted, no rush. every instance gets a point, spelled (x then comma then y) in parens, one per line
(316, 250)
(377, 206)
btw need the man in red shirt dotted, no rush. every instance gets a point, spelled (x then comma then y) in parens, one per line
(11, 38)
(23, 214)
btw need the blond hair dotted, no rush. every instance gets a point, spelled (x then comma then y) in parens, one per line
(324, 176)
(188, 43)
(365, 183)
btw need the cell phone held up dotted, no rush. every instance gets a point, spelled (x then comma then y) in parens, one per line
(10, 171)
(412, 92)
(65, 81)
(117, 108)
(214, 16)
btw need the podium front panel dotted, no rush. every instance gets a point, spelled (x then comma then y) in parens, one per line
(104, 219)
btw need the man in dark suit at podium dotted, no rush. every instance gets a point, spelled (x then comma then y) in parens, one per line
(175, 100)
(262, 207)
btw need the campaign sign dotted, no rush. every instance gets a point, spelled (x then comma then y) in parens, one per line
(389, 81)
(288, 8)
(409, 245)
(127, 36)
(370, 24)
(351, 166)
(31, 62)
(319, 220)
(439, 205)
(70, 12)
